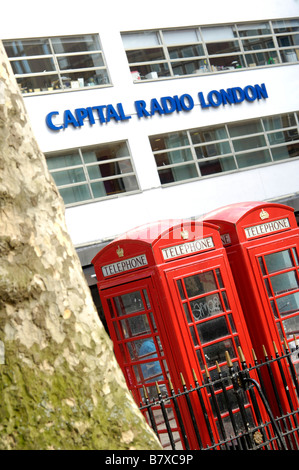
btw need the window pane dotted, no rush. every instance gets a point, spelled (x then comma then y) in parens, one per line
(253, 158)
(70, 44)
(32, 66)
(188, 67)
(180, 287)
(176, 156)
(151, 70)
(105, 152)
(212, 329)
(218, 33)
(180, 173)
(103, 162)
(35, 84)
(200, 283)
(144, 39)
(181, 52)
(98, 189)
(284, 136)
(254, 29)
(278, 261)
(282, 26)
(109, 169)
(166, 141)
(180, 36)
(216, 352)
(129, 303)
(134, 326)
(279, 122)
(27, 47)
(205, 307)
(291, 326)
(257, 44)
(286, 151)
(227, 62)
(249, 143)
(288, 304)
(207, 135)
(84, 78)
(75, 194)
(284, 282)
(193, 335)
(245, 128)
(212, 150)
(217, 166)
(68, 176)
(80, 61)
(290, 55)
(118, 185)
(63, 160)
(145, 55)
(186, 310)
(223, 47)
(262, 58)
(290, 40)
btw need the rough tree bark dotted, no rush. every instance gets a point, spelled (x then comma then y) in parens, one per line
(60, 385)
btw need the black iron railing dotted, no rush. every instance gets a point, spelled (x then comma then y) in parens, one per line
(243, 407)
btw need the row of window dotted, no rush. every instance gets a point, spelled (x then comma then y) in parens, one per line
(195, 153)
(107, 170)
(179, 52)
(58, 63)
(71, 62)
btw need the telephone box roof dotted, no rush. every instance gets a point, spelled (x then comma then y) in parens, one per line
(233, 213)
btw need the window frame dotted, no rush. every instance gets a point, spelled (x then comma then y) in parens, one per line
(240, 59)
(57, 70)
(234, 154)
(89, 181)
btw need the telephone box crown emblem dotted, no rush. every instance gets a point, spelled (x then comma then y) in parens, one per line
(184, 234)
(120, 252)
(264, 214)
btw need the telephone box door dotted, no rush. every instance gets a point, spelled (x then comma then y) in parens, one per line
(278, 268)
(135, 335)
(138, 345)
(210, 314)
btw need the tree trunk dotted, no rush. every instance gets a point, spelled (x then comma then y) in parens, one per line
(60, 385)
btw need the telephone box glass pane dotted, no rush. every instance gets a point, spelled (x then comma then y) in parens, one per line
(216, 352)
(279, 283)
(288, 304)
(278, 261)
(206, 306)
(213, 329)
(135, 326)
(129, 303)
(284, 282)
(200, 284)
(186, 310)
(291, 326)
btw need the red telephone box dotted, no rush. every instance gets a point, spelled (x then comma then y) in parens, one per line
(171, 306)
(262, 244)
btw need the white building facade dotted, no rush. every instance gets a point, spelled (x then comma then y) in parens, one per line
(160, 112)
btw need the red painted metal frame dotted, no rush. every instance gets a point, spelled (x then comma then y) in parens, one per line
(153, 257)
(243, 255)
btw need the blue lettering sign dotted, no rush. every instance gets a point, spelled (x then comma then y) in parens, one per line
(164, 105)
(69, 118)
(50, 123)
(232, 96)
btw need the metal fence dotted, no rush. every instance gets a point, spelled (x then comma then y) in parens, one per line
(247, 403)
